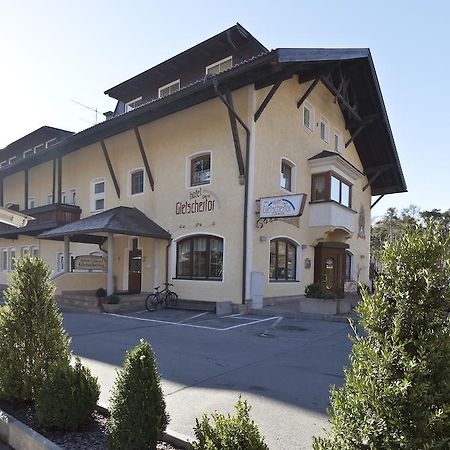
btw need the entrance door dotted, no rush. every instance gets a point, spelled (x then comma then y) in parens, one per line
(329, 265)
(134, 268)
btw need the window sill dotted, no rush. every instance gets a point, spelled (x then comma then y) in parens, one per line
(284, 281)
(192, 186)
(197, 279)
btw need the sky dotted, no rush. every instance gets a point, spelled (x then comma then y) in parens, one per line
(56, 53)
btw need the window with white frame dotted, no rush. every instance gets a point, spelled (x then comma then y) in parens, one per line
(28, 153)
(11, 258)
(169, 88)
(324, 129)
(50, 143)
(338, 144)
(60, 261)
(308, 116)
(219, 66)
(34, 251)
(73, 197)
(38, 148)
(136, 180)
(4, 264)
(31, 202)
(3, 163)
(63, 197)
(98, 195)
(200, 169)
(12, 159)
(49, 199)
(24, 251)
(133, 104)
(287, 175)
(283, 260)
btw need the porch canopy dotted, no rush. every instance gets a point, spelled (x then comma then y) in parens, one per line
(98, 228)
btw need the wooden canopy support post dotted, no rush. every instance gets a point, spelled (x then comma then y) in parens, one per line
(228, 102)
(59, 179)
(144, 158)
(266, 101)
(376, 201)
(308, 91)
(25, 203)
(110, 167)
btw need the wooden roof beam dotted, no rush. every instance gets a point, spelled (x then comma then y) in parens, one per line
(110, 167)
(267, 99)
(144, 157)
(308, 91)
(377, 200)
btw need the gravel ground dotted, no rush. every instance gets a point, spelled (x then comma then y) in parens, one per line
(92, 437)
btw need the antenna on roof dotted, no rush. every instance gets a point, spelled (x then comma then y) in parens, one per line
(88, 107)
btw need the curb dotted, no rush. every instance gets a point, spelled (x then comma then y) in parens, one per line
(21, 437)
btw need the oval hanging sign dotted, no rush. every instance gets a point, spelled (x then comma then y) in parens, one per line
(282, 206)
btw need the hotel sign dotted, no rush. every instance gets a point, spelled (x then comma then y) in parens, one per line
(282, 206)
(89, 262)
(199, 201)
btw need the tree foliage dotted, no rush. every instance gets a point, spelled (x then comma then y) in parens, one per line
(137, 407)
(397, 389)
(31, 335)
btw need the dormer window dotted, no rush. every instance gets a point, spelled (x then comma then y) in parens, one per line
(133, 104)
(169, 88)
(28, 152)
(330, 187)
(219, 66)
(12, 159)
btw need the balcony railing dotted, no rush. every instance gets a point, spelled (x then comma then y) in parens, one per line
(45, 218)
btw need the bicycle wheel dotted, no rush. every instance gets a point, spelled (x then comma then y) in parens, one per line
(171, 300)
(151, 302)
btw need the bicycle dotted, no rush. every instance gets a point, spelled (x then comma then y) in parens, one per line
(165, 298)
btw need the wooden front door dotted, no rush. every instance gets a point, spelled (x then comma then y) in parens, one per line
(329, 265)
(134, 268)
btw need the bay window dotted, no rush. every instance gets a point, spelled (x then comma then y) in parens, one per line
(329, 186)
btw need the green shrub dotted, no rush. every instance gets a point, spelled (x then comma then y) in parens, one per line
(68, 398)
(236, 432)
(31, 336)
(137, 408)
(397, 390)
(112, 299)
(100, 293)
(315, 290)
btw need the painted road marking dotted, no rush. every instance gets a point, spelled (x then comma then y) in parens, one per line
(190, 325)
(193, 317)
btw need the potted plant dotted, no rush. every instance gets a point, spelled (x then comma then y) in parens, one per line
(111, 304)
(100, 295)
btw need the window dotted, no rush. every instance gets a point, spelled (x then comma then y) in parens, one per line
(31, 202)
(133, 104)
(137, 182)
(324, 129)
(283, 260)
(308, 116)
(60, 262)
(337, 141)
(24, 251)
(219, 66)
(73, 197)
(169, 88)
(3, 163)
(63, 197)
(4, 260)
(200, 257)
(11, 257)
(328, 186)
(38, 148)
(98, 195)
(28, 152)
(286, 176)
(12, 159)
(201, 170)
(34, 251)
(49, 199)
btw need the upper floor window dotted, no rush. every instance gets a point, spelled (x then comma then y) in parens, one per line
(324, 129)
(49, 199)
(283, 260)
(286, 176)
(308, 116)
(169, 88)
(73, 197)
(137, 182)
(31, 202)
(338, 145)
(38, 147)
(219, 66)
(98, 195)
(329, 186)
(50, 143)
(3, 163)
(28, 152)
(201, 170)
(200, 257)
(129, 106)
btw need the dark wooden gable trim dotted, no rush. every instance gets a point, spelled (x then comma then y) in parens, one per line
(110, 167)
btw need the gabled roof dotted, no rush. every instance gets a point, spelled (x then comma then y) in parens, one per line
(120, 220)
(375, 144)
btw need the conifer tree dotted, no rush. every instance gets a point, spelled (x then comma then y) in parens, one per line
(397, 389)
(137, 408)
(31, 334)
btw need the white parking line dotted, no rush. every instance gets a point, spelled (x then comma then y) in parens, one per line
(190, 325)
(194, 317)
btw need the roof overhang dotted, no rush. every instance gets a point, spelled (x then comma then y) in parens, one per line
(375, 144)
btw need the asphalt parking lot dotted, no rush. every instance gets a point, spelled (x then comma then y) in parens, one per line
(284, 367)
